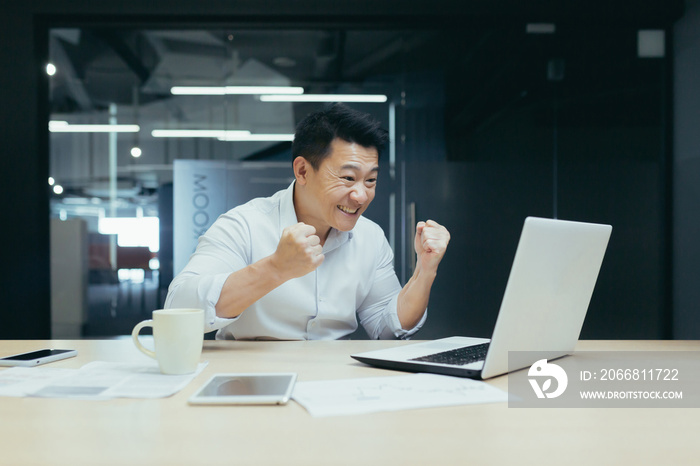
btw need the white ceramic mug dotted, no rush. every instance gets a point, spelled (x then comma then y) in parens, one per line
(178, 336)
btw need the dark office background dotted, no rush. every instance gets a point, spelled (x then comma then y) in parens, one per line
(587, 132)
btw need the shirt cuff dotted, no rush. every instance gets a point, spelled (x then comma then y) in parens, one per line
(393, 325)
(209, 295)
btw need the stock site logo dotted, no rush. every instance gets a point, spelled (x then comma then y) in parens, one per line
(547, 371)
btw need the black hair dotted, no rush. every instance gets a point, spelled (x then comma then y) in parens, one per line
(314, 134)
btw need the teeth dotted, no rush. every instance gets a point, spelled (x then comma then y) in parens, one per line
(346, 210)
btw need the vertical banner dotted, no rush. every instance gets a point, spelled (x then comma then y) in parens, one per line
(199, 197)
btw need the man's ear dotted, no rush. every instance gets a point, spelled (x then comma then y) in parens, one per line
(301, 169)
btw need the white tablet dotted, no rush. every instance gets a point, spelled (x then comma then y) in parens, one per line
(265, 388)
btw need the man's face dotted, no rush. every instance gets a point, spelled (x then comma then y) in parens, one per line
(343, 186)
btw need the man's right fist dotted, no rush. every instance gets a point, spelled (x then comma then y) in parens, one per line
(298, 252)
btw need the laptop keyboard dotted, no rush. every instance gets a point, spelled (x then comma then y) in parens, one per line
(457, 357)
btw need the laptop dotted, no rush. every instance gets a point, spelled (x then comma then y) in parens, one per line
(550, 285)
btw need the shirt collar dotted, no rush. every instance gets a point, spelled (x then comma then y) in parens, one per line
(336, 238)
(288, 217)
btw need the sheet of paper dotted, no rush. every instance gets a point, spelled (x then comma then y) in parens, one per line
(372, 394)
(20, 381)
(98, 380)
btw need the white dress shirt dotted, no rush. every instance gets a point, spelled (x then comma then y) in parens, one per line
(356, 278)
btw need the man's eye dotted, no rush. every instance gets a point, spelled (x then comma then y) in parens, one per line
(372, 181)
(348, 178)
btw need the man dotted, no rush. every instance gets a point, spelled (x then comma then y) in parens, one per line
(304, 263)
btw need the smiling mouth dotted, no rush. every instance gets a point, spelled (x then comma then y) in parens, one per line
(347, 210)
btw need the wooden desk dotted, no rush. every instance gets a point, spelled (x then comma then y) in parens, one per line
(169, 432)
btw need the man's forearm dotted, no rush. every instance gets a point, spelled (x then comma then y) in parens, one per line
(298, 253)
(243, 287)
(430, 243)
(413, 298)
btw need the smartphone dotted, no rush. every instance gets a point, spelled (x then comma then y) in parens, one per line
(36, 358)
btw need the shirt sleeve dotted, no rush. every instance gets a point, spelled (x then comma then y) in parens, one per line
(222, 250)
(378, 313)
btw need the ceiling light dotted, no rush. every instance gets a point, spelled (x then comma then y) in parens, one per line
(51, 69)
(264, 90)
(258, 137)
(192, 90)
(196, 133)
(235, 90)
(58, 189)
(540, 28)
(376, 98)
(136, 152)
(51, 181)
(64, 127)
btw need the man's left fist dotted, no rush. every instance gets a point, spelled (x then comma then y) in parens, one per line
(431, 244)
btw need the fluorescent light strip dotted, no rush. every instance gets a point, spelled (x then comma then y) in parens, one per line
(64, 127)
(191, 90)
(235, 90)
(264, 90)
(376, 98)
(540, 28)
(196, 133)
(259, 137)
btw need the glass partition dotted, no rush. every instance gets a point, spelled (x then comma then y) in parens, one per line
(488, 125)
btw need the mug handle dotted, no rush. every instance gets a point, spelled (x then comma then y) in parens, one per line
(137, 342)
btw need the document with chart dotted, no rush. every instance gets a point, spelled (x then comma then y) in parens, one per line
(372, 394)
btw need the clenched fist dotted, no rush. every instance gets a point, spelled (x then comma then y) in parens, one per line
(298, 252)
(430, 244)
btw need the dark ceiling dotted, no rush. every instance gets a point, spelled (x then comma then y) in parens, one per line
(486, 69)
